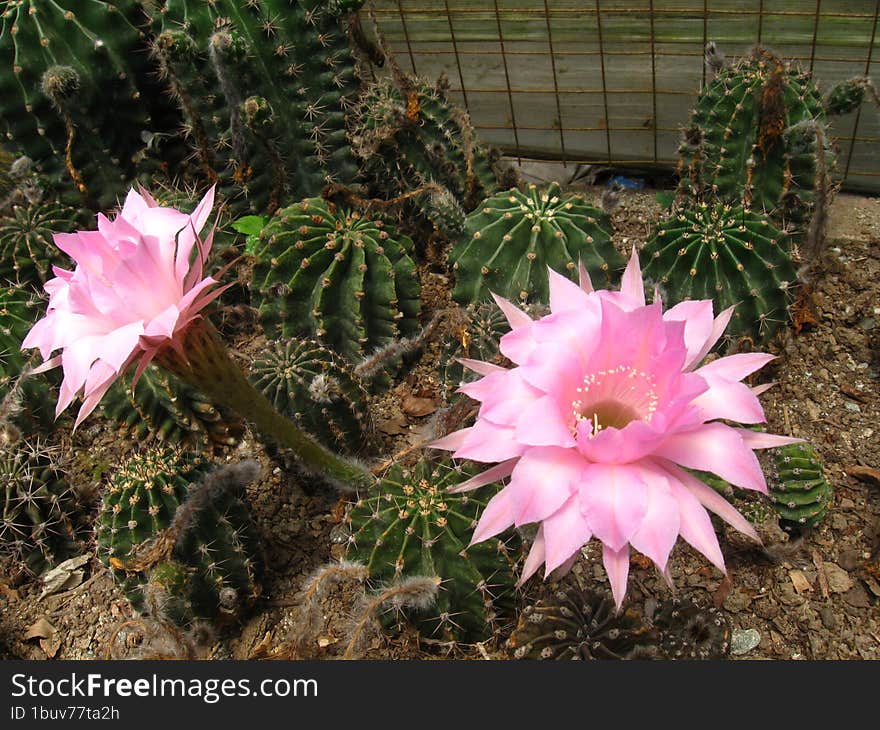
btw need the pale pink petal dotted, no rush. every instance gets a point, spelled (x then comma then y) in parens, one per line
(697, 316)
(496, 518)
(584, 278)
(632, 286)
(534, 559)
(695, 526)
(565, 533)
(541, 423)
(659, 529)
(565, 295)
(478, 366)
(488, 442)
(757, 440)
(616, 564)
(614, 501)
(494, 474)
(734, 368)
(515, 316)
(718, 327)
(451, 441)
(759, 389)
(541, 482)
(729, 401)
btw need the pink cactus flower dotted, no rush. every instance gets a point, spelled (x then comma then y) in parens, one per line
(135, 288)
(596, 424)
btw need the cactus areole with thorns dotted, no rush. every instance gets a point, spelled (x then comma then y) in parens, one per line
(595, 425)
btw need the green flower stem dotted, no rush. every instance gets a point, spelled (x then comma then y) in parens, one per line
(203, 361)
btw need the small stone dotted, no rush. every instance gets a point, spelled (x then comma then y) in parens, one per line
(838, 579)
(854, 407)
(829, 620)
(742, 641)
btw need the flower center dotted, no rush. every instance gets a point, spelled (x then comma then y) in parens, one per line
(614, 398)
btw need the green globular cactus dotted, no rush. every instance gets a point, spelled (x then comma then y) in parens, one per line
(77, 94)
(26, 248)
(800, 493)
(416, 144)
(727, 254)
(409, 525)
(755, 138)
(690, 632)
(513, 237)
(38, 524)
(571, 623)
(336, 275)
(318, 390)
(263, 86)
(164, 407)
(211, 570)
(849, 95)
(476, 335)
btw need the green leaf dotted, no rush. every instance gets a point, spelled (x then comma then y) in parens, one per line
(251, 226)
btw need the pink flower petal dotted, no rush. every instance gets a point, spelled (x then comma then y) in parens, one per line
(697, 316)
(565, 295)
(584, 278)
(729, 401)
(535, 558)
(632, 286)
(695, 526)
(617, 567)
(542, 481)
(565, 533)
(496, 518)
(614, 501)
(490, 476)
(659, 529)
(540, 423)
(718, 327)
(516, 318)
(756, 440)
(478, 366)
(734, 368)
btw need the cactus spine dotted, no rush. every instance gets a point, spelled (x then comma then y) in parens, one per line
(334, 274)
(513, 237)
(26, 248)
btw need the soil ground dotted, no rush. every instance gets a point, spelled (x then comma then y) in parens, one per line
(815, 597)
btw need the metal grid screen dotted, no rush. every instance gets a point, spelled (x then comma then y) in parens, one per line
(612, 81)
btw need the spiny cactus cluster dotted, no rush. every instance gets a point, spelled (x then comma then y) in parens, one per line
(164, 407)
(409, 525)
(688, 631)
(263, 86)
(310, 385)
(800, 493)
(849, 95)
(758, 137)
(513, 237)
(27, 251)
(210, 572)
(730, 255)
(77, 94)
(38, 520)
(334, 274)
(413, 142)
(575, 624)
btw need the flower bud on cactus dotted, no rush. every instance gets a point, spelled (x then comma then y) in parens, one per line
(511, 239)
(334, 274)
(729, 255)
(310, 385)
(800, 493)
(409, 525)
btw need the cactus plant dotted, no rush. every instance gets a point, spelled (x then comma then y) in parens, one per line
(409, 525)
(38, 521)
(513, 237)
(332, 273)
(416, 144)
(849, 95)
(164, 407)
(689, 632)
(77, 93)
(572, 623)
(800, 493)
(727, 254)
(263, 86)
(476, 334)
(754, 139)
(211, 571)
(310, 385)
(26, 248)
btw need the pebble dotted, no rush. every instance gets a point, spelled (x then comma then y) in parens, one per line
(854, 407)
(838, 579)
(829, 620)
(743, 641)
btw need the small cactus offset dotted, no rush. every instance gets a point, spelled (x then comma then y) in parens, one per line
(727, 254)
(310, 385)
(689, 632)
(849, 95)
(164, 407)
(211, 546)
(263, 86)
(755, 138)
(76, 93)
(38, 521)
(27, 252)
(336, 275)
(800, 494)
(513, 237)
(416, 144)
(409, 525)
(571, 623)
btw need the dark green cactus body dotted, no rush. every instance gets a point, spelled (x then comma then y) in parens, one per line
(37, 525)
(513, 237)
(847, 96)
(753, 138)
(800, 493)
(574, 624)
(214, 553)
(334, 274)
(76, 93)
(164, 407)
(310, 385)
(27, 251)
(410, 138)
(410, 526)
(690, 632)
(729, 255)
(263, 86)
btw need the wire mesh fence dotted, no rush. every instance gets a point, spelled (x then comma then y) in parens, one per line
(612, 81)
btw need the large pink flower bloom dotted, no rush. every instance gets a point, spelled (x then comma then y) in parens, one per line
(133, 291)
(605, 406)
